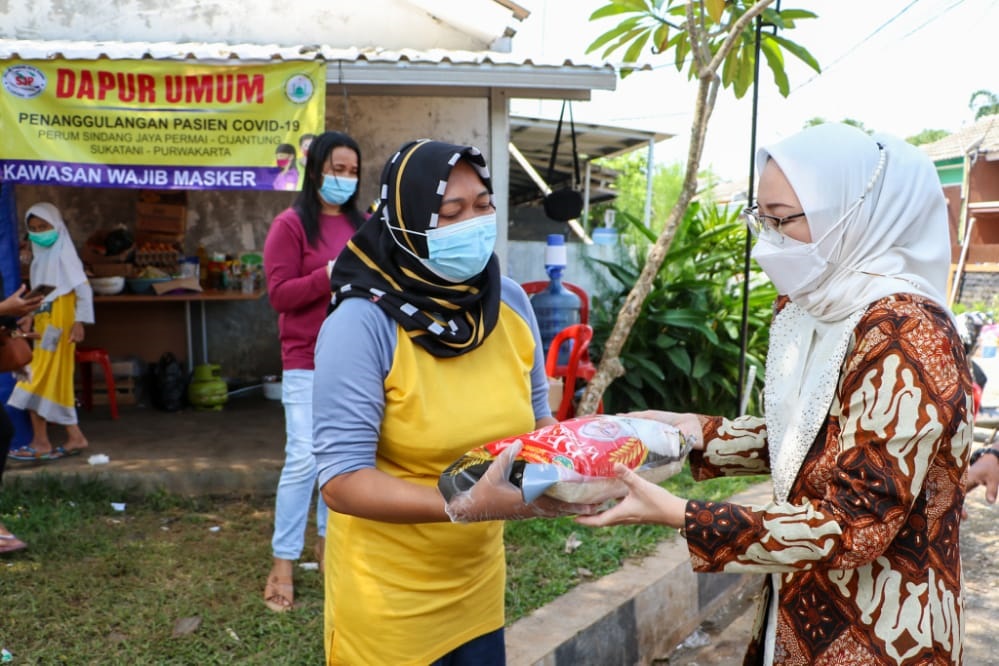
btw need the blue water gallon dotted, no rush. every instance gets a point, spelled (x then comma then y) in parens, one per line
(556, 307)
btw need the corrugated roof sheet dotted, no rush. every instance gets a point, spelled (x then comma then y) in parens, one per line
(85, 50)
(985, 131)
(353, 66)
(534, 138)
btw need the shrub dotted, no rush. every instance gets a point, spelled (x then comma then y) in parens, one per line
(683, 352)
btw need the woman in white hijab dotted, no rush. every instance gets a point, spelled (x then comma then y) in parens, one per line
(47, 393)
(868, 420)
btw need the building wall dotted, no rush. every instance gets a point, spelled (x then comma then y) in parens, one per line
(391, 24)
(979, 290)
(243, 335)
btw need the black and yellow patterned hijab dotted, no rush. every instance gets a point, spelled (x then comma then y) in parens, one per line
(447, 319)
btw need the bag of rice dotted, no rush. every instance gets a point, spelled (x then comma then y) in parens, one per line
(573, 460)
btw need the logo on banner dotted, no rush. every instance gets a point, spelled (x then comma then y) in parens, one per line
(24, 81)
(299, 88)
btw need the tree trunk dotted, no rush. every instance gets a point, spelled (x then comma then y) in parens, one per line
(610, 367)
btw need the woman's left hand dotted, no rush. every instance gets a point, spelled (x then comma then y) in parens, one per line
(985, 472)
(76, 332)
(645, 503)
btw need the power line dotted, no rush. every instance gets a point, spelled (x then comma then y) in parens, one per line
(859, 44)
(932, 19)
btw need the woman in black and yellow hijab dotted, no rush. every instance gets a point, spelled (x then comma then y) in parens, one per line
(427, 353)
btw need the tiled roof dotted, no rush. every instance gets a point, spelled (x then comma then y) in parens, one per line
(985, 131)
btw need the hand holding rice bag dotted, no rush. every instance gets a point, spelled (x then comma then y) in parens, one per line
(573, 461)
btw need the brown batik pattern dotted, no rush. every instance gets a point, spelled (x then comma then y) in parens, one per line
(867, 545)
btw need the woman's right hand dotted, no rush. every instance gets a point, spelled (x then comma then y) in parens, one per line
(16, 306)
(687, 423)
(493, 497)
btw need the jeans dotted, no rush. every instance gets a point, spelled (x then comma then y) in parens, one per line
(486, 650)
(298, 476)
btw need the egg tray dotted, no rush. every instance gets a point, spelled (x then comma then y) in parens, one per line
(168, 261)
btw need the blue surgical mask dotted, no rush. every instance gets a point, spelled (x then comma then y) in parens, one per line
(336, 190)
(44, 238)
(461, 251)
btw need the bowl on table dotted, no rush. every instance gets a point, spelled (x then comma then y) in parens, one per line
(107, 286)
(144, 285)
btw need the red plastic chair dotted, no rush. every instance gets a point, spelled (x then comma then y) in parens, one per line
(84, 357)
(578, 366)
(584, 298)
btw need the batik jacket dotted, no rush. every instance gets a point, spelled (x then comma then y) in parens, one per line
(864, 554)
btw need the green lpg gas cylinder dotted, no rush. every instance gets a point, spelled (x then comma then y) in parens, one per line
(208, 391)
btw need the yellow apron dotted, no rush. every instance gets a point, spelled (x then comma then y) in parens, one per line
(409, 594)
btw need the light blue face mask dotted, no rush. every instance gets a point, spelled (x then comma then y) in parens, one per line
(461, 251)
(44, 238)
(336, 190)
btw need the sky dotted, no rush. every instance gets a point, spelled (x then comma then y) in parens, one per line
(897, 66)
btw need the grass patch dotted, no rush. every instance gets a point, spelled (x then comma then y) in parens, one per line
(539, 568)
(99, 586)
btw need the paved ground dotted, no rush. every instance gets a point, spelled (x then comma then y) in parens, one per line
(240, 450)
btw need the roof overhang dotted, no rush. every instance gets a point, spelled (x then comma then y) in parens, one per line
(378, 71)
(534, 138)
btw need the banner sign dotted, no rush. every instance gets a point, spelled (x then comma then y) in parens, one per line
(159, 124)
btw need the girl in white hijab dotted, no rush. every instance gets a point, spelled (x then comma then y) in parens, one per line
(868, 416)
(47, 394)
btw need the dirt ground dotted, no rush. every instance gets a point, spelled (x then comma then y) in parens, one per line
(722, 639)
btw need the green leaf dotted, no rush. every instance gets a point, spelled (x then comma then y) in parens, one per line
(744, 75)
(613, 9)
(729, 67)
(637, 224)
(794, 14)
(679, 359)
(635, 5)
(682, 50)
(715, 9)
(653, 368)
(613, 33)
(624, 39)
(795, 49)
(775, 60)
(660, 40)
(635, 50)
(702, 364)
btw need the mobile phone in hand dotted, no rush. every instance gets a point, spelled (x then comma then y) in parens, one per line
(41, 290)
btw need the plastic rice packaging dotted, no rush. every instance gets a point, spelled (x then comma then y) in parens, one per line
(573, 460)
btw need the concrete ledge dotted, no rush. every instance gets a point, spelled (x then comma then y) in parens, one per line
(190, 477)
(636, 615)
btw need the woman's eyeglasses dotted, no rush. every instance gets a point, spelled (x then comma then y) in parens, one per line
(767, 226)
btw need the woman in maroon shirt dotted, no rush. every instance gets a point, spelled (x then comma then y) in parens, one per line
(301, 244)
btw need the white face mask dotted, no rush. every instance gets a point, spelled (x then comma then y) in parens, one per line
(795, 267)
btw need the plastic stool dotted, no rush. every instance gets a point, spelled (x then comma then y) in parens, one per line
(84, 357)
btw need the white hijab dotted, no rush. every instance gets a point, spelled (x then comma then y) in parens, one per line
(898, 237)
(58, 264)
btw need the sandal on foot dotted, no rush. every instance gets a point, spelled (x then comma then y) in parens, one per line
(279, 594)
(28, 453)
(10, 543)
(63, 452)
